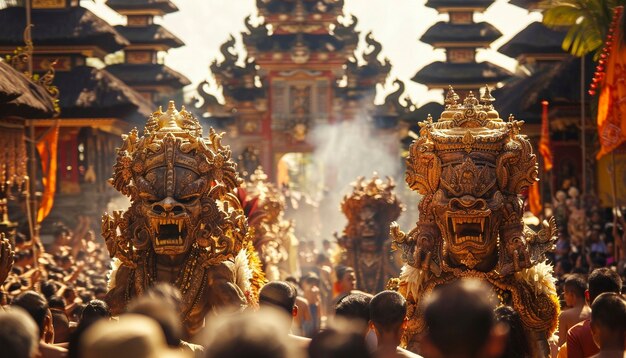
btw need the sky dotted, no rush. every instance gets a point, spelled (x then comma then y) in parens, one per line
(397, 24)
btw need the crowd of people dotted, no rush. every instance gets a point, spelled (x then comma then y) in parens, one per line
(53, 305)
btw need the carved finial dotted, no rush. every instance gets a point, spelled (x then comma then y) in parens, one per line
(451, 98)
(429, 119)
(258, 175)
(487, 98)
(471, 100)
(511, 118)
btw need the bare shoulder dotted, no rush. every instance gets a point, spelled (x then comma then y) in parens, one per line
(406, 354)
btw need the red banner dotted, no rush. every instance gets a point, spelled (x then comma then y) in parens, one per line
(47, 148)
(612, 100)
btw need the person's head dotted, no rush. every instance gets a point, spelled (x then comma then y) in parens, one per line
(133, 336)
(49, 288)
(338, 342)
(19, 336)
(281, 295)
(61, 234)
(310, 284)
(460, 322)
(164, 315)
(355, 307)
(167, 292)
(608, 321)
(37, 307)
(518, 344)
(574, 290)
(388, 313)
(346, 278)
(93, 311)
(249, 334)
(602, 280)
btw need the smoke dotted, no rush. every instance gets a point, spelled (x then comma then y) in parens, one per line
(347, 150)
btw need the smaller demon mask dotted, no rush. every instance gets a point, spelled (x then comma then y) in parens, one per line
(370, 208)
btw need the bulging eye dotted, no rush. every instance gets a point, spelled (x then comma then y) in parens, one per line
(149, 198)
(189, 199)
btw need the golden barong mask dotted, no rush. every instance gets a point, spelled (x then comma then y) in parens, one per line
(181, 190)
(470, 165)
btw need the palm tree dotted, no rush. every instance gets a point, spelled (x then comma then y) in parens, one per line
(586, 21)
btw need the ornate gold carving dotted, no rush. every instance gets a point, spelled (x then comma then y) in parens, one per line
(365, 244)
(470, 165)
(183, 206)
(273, 234)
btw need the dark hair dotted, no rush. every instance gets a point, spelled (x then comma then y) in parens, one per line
(609, 310)
(35, 305)
(161, 313)
(341, 271)
(279, 294)
(166, 292)
(603, 280)
(577, 284)
(322, 258)
(332, 343)
(49, 288)
(518, 344)
(387, 310)
(18, 334)
(354, 306)
(94, 310)
(459, 317)
(56, 302)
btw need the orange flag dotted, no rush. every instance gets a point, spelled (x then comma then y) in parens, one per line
(612, 100)
(534, 199)
(47, 149)
(544, 141)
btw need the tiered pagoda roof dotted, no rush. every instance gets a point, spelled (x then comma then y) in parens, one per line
(305, 30)
(71, 34)
(156, 7)
(528, 4)
(58, 28)
(140, 68)
(479, 34)
(440, 74)
(522, 96)
(152, 34)
(471, 5)
(460, 37)
(536, 39)
(142, 74)
(88, 92)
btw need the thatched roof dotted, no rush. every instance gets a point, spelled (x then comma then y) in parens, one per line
(88, 92)
(74, 26)
(22, 97)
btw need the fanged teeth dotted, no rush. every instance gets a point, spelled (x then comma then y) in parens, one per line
(157, 222)
(178, 241)
(463, 239)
